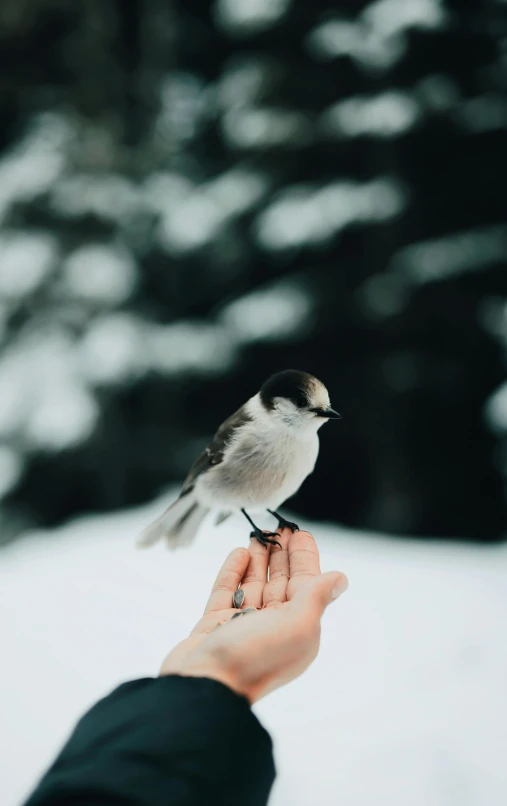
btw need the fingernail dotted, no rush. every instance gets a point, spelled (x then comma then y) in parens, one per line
(340, 587)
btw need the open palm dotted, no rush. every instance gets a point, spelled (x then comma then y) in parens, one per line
(267, 648)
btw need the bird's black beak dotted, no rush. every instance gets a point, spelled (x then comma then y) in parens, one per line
(330, 414)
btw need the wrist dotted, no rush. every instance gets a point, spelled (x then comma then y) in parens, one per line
(209, 668)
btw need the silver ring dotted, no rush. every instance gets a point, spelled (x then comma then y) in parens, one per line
(238, 597)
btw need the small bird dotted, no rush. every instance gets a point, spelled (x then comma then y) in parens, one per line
(257, 459)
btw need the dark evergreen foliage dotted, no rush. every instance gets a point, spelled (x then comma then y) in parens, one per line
(318, 187)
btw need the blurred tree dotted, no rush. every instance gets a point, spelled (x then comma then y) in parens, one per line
(200, 194)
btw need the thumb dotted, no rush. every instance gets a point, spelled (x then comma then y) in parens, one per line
(322, 591)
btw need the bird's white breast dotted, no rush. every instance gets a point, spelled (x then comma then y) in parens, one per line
(262, 467)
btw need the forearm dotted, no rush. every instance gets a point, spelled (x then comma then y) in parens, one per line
(174, 740)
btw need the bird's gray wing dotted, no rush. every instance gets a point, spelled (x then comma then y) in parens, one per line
(214, 453)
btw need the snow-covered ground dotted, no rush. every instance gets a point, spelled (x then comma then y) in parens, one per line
(406, 704)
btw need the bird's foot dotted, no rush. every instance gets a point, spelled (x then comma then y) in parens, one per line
(283, 523)
(264, 537)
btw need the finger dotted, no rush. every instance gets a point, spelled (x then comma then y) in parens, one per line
(304, 562)
(228, 579)
(256, 574)
(315, 596)
(275, 591)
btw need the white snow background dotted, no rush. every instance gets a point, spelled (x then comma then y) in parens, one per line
(406, 704)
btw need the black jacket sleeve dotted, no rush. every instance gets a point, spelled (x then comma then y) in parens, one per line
(168, 741)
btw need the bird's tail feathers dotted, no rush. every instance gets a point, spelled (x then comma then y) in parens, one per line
(186, 529)
(221, 517)
(178, 524)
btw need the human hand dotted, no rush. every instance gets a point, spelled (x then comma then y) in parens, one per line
(268, 647)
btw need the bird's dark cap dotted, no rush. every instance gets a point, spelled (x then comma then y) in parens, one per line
(291, 384)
